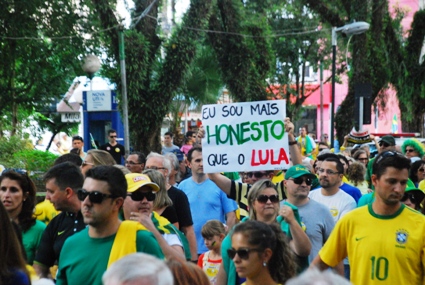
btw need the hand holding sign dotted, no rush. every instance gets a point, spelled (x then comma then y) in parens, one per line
(245, 136)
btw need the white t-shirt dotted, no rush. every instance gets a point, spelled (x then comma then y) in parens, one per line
(172, 239)
(338, 204)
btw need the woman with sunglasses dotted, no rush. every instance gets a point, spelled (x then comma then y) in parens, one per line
(413, 198)
(261, 254)
(96, 157)
(417, 172)
(263, 202)
(361, 156)
(17, 194)
(413, 149)
(139, 206)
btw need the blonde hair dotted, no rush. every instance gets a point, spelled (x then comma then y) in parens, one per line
(254, 192)
(213, 228)
(101, 157)
(162, 199)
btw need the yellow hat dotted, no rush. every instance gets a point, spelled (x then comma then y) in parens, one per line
(137, 180)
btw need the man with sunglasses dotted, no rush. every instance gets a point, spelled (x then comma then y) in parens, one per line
(385, 239)
(62, 183)
(314, 216)
(113, 147)
(86, 255)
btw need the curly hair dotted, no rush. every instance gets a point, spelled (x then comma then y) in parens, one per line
(26, 217)
(282, 264)
(356, 172)
(415, 144)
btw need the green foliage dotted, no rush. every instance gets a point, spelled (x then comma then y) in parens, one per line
(35, 160)
(10, 146)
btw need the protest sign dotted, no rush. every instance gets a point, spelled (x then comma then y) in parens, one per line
(246, 136)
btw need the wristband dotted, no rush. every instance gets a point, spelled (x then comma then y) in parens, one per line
(292, 143)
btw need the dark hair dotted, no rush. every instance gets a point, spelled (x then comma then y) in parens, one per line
(282, 264)
(413, 173)
(71, 157)
(190, 153)
(187, 273)
(141, 158)
(76, 151)
(66, 174)
(189, 134)
(389, 159)
(356, 172)
(11, 252)
(339, 166)
(341, 156)
(111, 175)
(111, 131)
(26, 217)
(323, 143)
(324, 156)
(77, 138)
(169, 134)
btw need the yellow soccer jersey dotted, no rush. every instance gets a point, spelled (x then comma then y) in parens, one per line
(381, 249)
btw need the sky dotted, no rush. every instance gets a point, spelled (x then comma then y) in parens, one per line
(181, 7)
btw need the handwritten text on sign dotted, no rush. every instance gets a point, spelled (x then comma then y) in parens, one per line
(245, 136)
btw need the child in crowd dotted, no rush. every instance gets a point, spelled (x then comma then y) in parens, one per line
(213, 233)
(188, 144)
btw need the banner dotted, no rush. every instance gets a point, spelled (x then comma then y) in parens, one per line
(246, 136)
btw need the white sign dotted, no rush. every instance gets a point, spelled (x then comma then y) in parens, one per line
(245, 137)
(71, 117)
(99, 100)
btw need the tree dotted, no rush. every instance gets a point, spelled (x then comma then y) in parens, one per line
(40, 45)
(381, 57)
(153, 81)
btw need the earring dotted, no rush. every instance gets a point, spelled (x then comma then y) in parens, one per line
(264, 263)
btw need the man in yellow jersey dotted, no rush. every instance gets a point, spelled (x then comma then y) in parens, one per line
(383, 240)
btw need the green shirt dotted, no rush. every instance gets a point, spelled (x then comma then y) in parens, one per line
(31, 239)
(83, 259)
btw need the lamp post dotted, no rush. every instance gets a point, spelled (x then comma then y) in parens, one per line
(90, 66)
(349, 29)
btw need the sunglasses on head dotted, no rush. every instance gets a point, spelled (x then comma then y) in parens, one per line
(264, 198)
(243, 253)
(139, 196)
(256, 174)
(95, 197)
(17, 170)
(385, 154)
(300, 180)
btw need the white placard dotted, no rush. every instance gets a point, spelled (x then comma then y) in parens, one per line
(99, 100)
(245, 136)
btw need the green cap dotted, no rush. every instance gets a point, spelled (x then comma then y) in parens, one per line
(298, 171)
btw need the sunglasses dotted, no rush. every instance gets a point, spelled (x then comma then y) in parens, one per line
(132, 163)
(139, 196)
(264, 198)
(421, 170)
(17, 170)
(409, 196)
(300, 180)
(86, 163)
(383, 144)
(410, 150)
(320, 149)
(242, 253)
(112, 137)
(256, 174)
(154, 167)
(96, 197)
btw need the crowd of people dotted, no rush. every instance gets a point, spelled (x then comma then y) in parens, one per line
(160, 219)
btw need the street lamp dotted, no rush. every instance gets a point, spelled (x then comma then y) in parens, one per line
(90, 66)
(349, 29)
